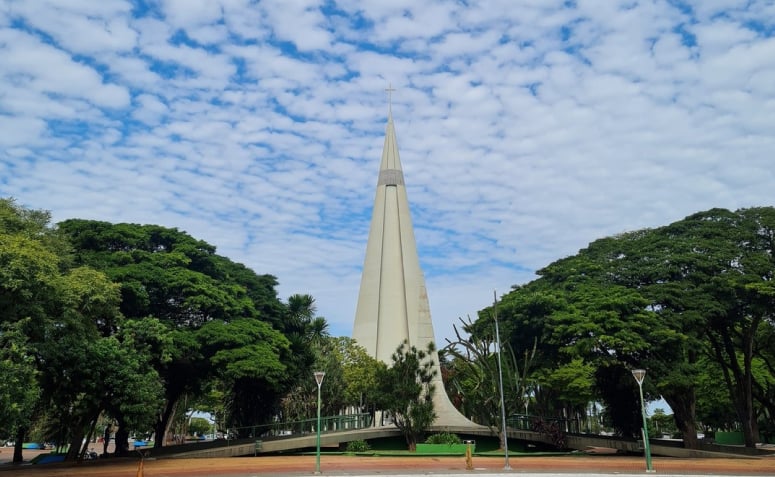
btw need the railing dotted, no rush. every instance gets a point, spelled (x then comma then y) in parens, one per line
(519, 421)
(525, 422)
(306, 426)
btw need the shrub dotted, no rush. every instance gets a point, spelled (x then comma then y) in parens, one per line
(443, 438)
(357, 446)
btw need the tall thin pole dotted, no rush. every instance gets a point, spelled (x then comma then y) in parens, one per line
(639, 374)
(319, 375)
(506, 465)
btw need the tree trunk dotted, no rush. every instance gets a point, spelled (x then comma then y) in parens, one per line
(162, 424)
(87, 441)
(750, 430)
(411, 443)
(122, 439)
(21, 433)
(180, 437)
(738, 383)
(76, 439)
(743, 381)
(683, 406)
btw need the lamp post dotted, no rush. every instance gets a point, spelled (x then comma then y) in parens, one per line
(319, 375)
(639, 374)
(506, 465)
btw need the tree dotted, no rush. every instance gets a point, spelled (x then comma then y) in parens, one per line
(722, 265)
(475, 375)
(248, 356)
(406, 391)
(663, 299)
(19, 388)
(170, 276)
(350, 381)
(199, 426)
(59, 324)
(31, 260)
(121, 320)
(572, 384)
(359, 373)
(578, 323)
(661, 424)
(93, 364)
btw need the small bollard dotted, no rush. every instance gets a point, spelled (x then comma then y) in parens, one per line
(469, 457)
(141, 465)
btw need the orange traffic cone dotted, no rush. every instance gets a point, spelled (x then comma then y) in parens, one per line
(140, 468)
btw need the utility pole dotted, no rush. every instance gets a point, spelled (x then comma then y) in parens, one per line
(506, 465)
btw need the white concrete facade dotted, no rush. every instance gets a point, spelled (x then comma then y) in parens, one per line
(393, 301)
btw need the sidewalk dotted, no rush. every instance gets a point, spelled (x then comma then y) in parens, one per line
(366, 466)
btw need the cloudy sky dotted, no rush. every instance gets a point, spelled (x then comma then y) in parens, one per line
(527, 128)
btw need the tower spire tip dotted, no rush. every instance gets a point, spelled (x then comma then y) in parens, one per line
(390, 91)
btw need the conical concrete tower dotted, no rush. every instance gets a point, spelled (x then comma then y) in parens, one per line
(393, 302)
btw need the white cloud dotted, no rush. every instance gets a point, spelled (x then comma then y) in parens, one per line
(19, 130)
(526, 130)
(44, 68)
(80, 26)
(298, 21)
(185, 14)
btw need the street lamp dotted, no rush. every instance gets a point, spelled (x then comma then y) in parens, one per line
(506, 465)
(639, 374)
(319, 375)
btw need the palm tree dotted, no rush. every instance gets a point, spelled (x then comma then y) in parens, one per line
(300, 311)
(317, 331)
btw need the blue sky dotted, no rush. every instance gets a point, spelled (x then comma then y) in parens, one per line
(526, 128)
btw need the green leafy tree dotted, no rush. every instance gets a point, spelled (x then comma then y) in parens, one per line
(350, 382)
(199, 426)
(19, 388)
(573, 385)
(578, 324)
(31, 261)
(359, 374)
(475, 377)
(170, 276)
(714, 406)
(662, 299)
(60, 322)
(712, 273)
(249, 357)
(764, 389)
(661, 424)
(346, 381)
(406, 390)
(90, 368)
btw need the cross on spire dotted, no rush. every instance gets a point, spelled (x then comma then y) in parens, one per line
(389, 91)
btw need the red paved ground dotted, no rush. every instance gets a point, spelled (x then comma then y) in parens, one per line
(340, 464)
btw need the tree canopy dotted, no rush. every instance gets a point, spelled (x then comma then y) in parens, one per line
(135, 324)
(681, 301)
(226, 322)
(62, 338)
(124, 322)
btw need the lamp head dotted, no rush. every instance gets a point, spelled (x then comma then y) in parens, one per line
(319, 375)
(639, 374)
